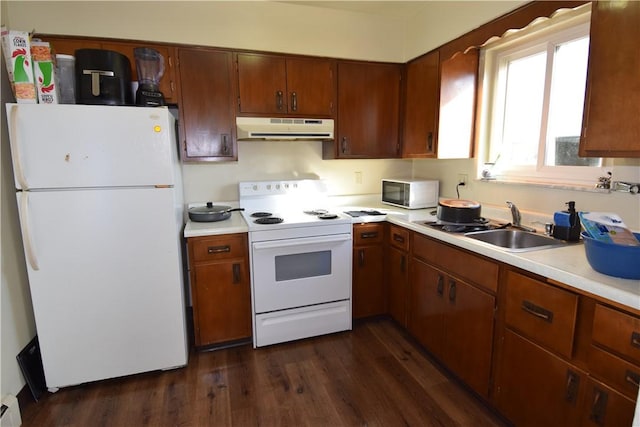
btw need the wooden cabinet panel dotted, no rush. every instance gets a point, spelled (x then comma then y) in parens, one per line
(220, 288)
(281, 85)
(454, 321)
(168, 87)
(617, 331)
(456, 114)
(311, 86)
(368, 296)
(536, 388)
(399, 237)
(465, 265)
(215, 249)
(368, 111)
(543, 313)
(398, 278)
(610, 125)
(618, 373)
(206, 105)
(421, 107)
(604, 407)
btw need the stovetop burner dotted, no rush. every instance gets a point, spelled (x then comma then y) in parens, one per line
(317, 212)
(269, 220)
(328, 216)
(261, 214)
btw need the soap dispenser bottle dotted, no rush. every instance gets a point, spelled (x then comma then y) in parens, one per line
(567, 224)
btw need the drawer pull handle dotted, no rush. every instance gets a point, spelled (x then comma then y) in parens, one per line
(452, 290)
(635, 339)
(632, 378)
(218, 249)
(361, 257)
(573, 383)
(598, 407)
(537, 311)
(369, 235)
(440, 286)
(398, 238)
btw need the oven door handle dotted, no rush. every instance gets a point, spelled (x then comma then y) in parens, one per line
(302, 241)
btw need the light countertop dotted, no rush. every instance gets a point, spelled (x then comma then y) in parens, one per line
(567, 265)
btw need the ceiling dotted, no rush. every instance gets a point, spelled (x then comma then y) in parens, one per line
(396, 9)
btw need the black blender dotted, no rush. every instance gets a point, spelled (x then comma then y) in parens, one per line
(150, 65)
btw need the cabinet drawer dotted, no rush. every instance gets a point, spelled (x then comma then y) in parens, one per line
(620, 374)
(368, 234)
(399, 237)
(617, 331)
(463, 264)
(544, 313)
(222, 247)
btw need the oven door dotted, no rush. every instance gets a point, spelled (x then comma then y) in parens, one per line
(301, 271)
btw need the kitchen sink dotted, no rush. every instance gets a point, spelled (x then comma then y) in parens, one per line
(515, 240)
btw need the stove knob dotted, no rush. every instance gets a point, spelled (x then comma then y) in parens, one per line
(255, 187)
(286, 186)
(277, 186)
(268, 186)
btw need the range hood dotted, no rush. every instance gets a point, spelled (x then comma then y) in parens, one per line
(284, 128)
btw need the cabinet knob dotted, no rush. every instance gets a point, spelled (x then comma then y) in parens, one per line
(573, 383)
(294, 101)
(361, 257)
(343, 145)
(236, 273)
(430, 142)
(279, 100)
(598, 407)
(452, 290)
(440, 285)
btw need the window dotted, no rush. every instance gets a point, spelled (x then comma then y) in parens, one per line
(535, 80)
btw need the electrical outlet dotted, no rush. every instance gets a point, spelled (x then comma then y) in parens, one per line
(462, 179)
(358, 177)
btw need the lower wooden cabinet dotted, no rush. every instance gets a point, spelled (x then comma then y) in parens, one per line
(368, 298)
(454, 320)
(220, 288)
(535, 387)
(398, 273)
(605, 407)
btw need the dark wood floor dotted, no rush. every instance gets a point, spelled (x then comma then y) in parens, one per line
(372, 376)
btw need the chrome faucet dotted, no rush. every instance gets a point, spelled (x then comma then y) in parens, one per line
(516, 218)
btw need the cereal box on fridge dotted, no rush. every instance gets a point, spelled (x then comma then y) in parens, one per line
(44, 73)
(17, 51)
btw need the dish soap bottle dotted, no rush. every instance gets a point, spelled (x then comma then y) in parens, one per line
(567, 224)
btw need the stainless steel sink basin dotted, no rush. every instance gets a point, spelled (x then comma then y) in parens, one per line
(515, 240)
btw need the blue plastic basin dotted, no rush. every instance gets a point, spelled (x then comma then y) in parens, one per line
(613, 259)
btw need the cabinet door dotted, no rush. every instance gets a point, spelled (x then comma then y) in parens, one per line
(222, 302)
(536, 388)
(469, 333)
(456, 113)
(262, 87)
(368, 110)
(605, 407)
(398, 285)
(368, 291)
(206, 105)
(610, 125)
(311, 86)
(421, 107)
(427, 306)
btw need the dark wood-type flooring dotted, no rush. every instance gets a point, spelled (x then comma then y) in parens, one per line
(372, 376)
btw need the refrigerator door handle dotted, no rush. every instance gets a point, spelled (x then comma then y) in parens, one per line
(26, 233)
(15, 149)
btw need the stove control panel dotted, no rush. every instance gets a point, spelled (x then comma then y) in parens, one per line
(280, 188)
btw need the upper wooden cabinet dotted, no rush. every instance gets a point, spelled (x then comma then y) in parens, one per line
(420, 106)
(439, 107)
(610, 125)
(168, 87)
(207, 126)
(368, 111)
(281, 85)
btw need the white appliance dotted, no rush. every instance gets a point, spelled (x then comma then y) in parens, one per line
(284, 128)
(300, 261)
(99, 193)
(410, 193)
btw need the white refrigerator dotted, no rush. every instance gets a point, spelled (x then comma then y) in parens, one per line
(99, 194)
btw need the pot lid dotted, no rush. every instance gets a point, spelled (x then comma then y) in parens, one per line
(209, 208)
(459, 203)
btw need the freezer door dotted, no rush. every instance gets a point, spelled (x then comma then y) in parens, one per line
(83, 146)
(107, 287)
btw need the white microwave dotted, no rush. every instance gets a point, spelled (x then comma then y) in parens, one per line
(410, 193)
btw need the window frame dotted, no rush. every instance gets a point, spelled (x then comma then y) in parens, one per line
(541, 35)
